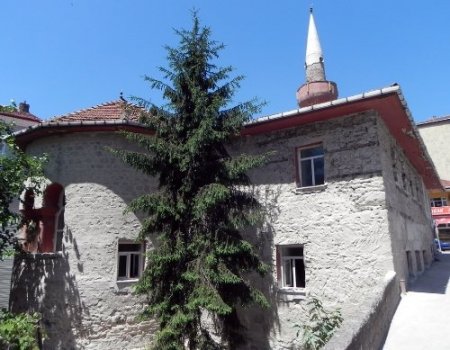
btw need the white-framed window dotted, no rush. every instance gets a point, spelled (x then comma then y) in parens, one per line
(311, 171)
(438, 202)
(292, 266)
(130, 260)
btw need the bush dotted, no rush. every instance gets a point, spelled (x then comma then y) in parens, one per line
(18, 331)
(322, 325)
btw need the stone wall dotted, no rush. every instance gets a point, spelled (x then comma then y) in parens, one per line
(83, 304)
(370, 329)
(342, 225)
(410, 222)
(345, 227)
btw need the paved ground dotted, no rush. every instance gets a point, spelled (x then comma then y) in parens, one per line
(422, 320)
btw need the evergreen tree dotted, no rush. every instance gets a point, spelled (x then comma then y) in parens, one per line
(201, 264)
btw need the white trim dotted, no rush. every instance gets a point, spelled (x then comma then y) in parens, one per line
(291, 258)
(129, 254)
(311, 162)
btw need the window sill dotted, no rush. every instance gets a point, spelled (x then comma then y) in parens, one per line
(134, 280)
(310, 189)
(291, 294)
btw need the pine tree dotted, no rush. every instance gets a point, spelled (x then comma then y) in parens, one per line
(201, 264)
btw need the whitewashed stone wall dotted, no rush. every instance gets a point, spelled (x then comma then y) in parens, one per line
(409, 209)
(88, 308)
(343, 225)
(353, 233)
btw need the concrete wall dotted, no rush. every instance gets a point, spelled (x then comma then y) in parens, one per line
(77, 290)
(436, 138)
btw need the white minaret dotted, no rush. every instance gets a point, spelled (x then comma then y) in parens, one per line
(315, 70)
(316, 89)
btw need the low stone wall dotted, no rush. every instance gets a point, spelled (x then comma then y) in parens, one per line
(369, 330)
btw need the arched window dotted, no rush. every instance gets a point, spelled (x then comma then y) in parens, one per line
(52, 218)
(44, 231)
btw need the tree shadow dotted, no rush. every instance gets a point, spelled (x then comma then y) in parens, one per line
(44, 283)
(259, 323)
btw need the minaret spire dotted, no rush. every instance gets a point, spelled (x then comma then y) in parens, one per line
(314, 56)
(316, 89)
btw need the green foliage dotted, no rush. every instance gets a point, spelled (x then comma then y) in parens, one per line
(12, 107)
(18, 331)
(19, 171)
(322, 325)
(202, 263)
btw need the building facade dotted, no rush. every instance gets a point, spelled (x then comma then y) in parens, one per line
(436, 135)
(347, 219)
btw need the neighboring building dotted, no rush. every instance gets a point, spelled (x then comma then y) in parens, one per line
(348, 219)
(436, 136)
(19, 120)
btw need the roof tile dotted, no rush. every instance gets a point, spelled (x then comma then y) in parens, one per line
(113, 110)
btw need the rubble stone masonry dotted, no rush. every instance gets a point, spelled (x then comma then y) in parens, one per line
(354, 229)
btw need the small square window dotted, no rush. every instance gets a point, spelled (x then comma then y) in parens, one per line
(292, 267)
(311, 166)
(130, 260)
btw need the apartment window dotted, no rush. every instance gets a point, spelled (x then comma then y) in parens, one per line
(130, 260)
(438, 202)
(292, 266)
(311, 166)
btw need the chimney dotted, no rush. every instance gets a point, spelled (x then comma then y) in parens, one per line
(24, 107)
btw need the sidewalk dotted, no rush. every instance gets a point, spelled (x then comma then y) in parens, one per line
(422, 320)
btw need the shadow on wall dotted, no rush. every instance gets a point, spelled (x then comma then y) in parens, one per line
(44, 283)
(259, 323)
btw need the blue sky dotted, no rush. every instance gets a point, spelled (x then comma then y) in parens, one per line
(65, 55)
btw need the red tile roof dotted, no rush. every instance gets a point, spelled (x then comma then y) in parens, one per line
(114, 110)
(21, 115)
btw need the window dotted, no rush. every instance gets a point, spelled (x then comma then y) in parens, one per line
(311, 166)
(438, 202)
(292, 266)
(130, 260)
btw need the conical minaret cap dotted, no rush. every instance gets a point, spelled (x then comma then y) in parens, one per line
(313, 49)
(317, 88)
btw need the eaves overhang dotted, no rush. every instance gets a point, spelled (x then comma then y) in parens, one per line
(45, 129)
(389, 104)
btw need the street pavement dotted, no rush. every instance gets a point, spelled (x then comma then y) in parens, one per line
(422, 320)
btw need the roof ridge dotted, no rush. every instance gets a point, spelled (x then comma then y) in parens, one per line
(83, 110)
(23, 115)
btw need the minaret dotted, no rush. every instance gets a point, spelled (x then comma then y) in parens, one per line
(316, 89)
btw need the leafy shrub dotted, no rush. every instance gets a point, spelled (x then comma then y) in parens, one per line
(18, 331)
(321, 326)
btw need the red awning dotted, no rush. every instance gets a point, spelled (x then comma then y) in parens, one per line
(441, 221)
